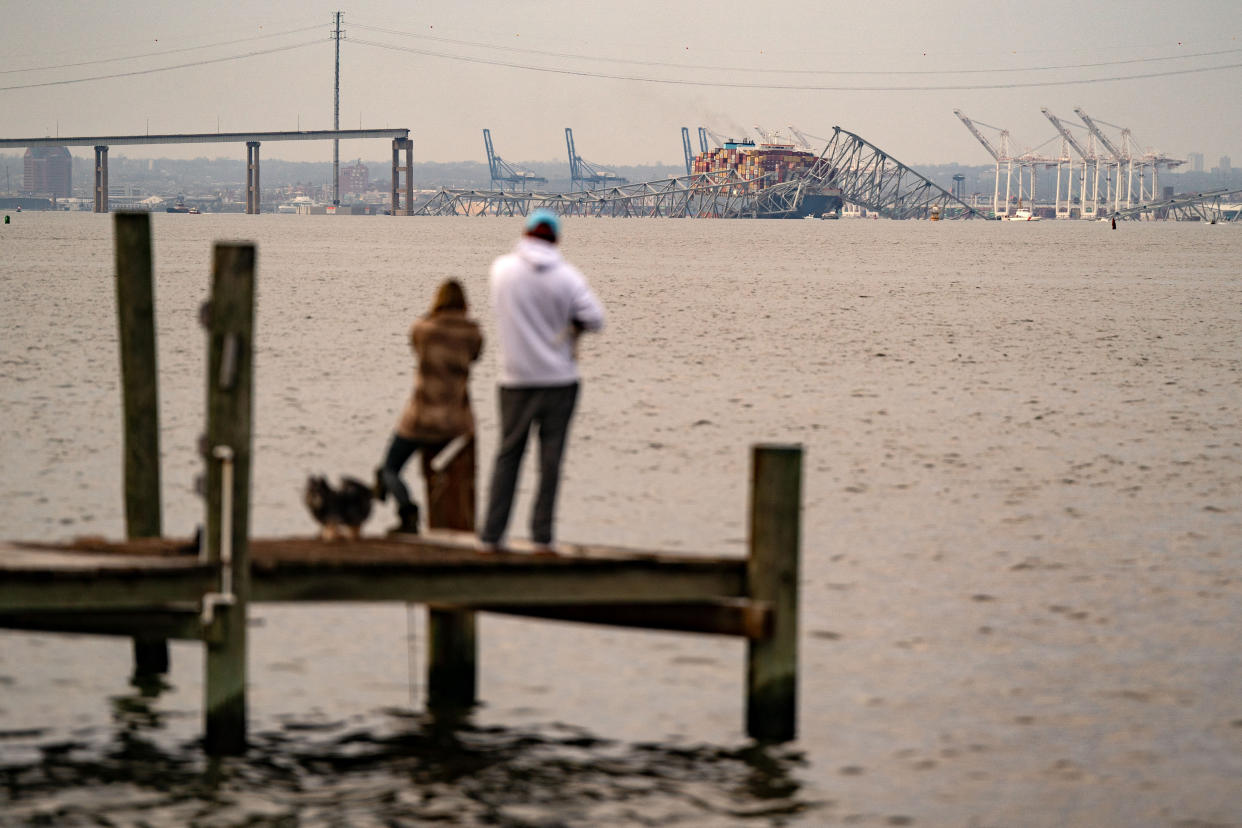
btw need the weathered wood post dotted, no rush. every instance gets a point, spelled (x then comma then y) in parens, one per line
(452, 646)
(230, 377)
(772, 576)
(135, 312)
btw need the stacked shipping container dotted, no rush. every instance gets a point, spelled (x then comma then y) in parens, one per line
(753, 162)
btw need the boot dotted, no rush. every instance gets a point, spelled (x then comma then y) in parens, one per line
(408, 524)
(380, 489)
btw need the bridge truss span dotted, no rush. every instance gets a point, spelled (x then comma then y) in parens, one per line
(871, 178)
(703, 195)
(1206, 206)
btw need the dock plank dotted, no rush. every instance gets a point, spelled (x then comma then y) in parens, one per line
(440, 567)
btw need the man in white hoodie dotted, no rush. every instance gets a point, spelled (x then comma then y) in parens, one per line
(542, 303)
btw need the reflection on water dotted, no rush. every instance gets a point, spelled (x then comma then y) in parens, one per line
(394, 768)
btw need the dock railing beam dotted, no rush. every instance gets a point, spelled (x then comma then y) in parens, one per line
(452, 643)
(772, 575)
(230, 406)
(135, 312)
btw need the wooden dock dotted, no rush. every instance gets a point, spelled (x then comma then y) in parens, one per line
(153, 589)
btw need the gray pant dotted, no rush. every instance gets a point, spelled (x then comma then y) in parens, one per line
(520, 409)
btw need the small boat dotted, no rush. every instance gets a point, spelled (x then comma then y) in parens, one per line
(194, 211)
(1021, 215)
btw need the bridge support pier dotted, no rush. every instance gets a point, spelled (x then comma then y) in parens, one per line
(252, 178)
(399, 144)
(101, 179)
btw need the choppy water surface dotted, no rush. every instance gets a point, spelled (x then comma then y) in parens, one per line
(1021, 584)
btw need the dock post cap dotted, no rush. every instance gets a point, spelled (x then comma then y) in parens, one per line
(777, 446)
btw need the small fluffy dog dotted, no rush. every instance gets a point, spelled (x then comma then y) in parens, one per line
(346, 508)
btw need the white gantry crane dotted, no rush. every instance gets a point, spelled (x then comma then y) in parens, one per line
(807, 141)
(1088, 207)
(1118, 163)
(1148, 160)
(1002, 156)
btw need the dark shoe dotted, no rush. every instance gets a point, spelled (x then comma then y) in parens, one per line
(380, 489)
(408, 524)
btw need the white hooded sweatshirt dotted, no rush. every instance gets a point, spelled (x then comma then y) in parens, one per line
(536, 296)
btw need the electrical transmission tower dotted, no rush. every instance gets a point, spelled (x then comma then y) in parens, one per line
(336, 34)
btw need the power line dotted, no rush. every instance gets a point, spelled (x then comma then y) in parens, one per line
(714, 68)
(161, 68)
(794, 87)
(157, 54)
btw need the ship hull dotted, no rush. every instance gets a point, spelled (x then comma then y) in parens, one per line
(813, 205)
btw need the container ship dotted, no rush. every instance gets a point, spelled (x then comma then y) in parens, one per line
(780, 163)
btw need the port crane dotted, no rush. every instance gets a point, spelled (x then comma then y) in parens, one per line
(1001, 156)
(769, 136)
(685, 144)
(719, 141)
(1128, 154)
(504, 173)
(703, 140)
(1088, 207)
(1028, 162)
(1119, 158)
(583, 173)
(799, 138)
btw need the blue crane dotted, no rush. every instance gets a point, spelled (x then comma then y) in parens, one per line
(685, 143)
(504, 173)
(585, 175)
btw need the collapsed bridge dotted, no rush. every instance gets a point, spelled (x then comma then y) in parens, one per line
(849, 170)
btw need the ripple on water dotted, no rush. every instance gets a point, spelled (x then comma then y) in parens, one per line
(393, 768)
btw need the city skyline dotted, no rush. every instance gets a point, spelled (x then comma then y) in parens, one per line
(626, 79)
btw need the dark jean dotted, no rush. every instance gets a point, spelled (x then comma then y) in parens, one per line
(521, 409)
(399, 452)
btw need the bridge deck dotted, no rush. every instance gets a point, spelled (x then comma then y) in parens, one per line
(203, 138)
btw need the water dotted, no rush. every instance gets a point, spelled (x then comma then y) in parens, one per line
(1020, 534)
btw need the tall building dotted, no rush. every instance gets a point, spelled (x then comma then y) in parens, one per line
(49, 171)
(1196, 161)
(1225, 165)
(355, 178)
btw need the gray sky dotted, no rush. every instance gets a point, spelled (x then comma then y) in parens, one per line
(440, 74)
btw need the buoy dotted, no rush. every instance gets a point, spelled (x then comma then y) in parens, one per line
(1114, 222)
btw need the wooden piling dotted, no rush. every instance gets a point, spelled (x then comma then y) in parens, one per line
(452, 644)
(772, 576)
(230, 405)
(135, 312)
